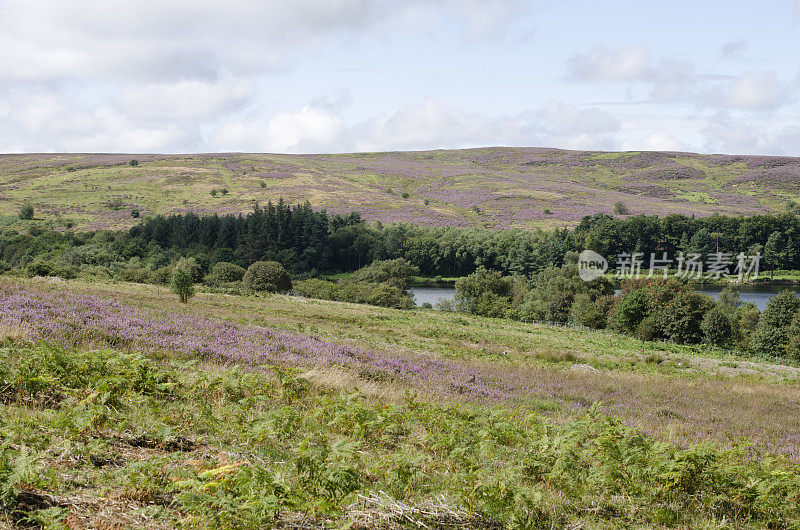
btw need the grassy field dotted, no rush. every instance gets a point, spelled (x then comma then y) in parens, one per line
(681, 392)
(488, 187)
(122, 406)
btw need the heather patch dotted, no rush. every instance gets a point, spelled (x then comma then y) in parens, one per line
(453, 181)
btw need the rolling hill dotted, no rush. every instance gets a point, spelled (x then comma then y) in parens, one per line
(495, 187)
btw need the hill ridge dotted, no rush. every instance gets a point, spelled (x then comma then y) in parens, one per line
(493, 187)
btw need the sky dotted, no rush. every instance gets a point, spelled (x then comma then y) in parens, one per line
(323, 76)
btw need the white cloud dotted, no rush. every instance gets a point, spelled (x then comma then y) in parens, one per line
(726, 133)
(677, 81)
(562, 118)
(660, 141)
(628, 63)
(757, 91)
(185, 100)
(429, 124)
(46, 121)
(308, 130)
(162, 40)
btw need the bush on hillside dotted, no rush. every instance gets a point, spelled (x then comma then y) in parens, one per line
(484, 292)
(182, 284)
(631, 310)
(26, 212)
(683, 315)
(586, 312)
(315, 288)
(269, 276)
(793, 345)
(224, 272)
(397, 272)
(717, 328)
(771, 337)
(191, 266)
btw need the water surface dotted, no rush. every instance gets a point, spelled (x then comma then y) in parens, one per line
(759, 295)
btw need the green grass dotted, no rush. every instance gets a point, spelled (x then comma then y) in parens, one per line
(104, 437)
(706, 399)
(608, 436)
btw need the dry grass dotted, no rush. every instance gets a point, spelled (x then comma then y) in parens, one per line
(380, 510)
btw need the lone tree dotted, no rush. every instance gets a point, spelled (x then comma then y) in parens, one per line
(182, 284)
(26, 212)
(133, 163)
(267, 276)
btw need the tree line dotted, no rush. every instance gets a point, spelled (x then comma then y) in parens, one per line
(776, 237)
(309, 242)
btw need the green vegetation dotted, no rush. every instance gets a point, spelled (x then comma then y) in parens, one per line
(382, 283)
(269, 276)
(182, 284)
(26, 212)
(511, 187)
(202, 446)
(226, 273)
(650, 309)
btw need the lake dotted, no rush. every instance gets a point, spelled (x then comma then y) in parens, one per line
(758, 295)
(431, 295)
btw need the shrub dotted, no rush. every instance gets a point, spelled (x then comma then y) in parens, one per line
(133, 274)
(771, 337)
(39, 267)
(224, 191)
(729, 298)
(267, 276)
(620, 208)
(385, 295)
(793, 346)
(191, 266)
(586, 312)
(558, 306)
(161, 276)
(483, 293)
(133, 163)
(182, 284)
(746, 319)
(716, 327)
(648, 329)
(397, 272)
(631, 310)
(683, 315)
(405, 195)
(214, 193)
(115, 204)
(26, 212)
(135, 213)
(547, 211)
(224, 272)
(316, 288)
(43, 267)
